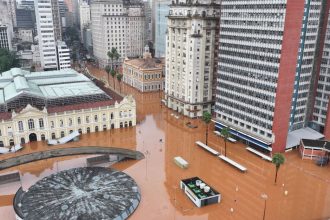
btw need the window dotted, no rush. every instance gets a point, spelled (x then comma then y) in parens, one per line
(43, 137)
(88, 130)
(62, 134)
(31, 124)
(79, 121)
(87, 119)
(96, 128)
(111, 116)
(41, 123)
(70, 121)
(52, 124)
(53, 136)
(104, 117)
(20, 126)
(95, 118)
(61, 123)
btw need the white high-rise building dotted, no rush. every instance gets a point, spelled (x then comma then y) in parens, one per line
(119, 24)
(191, 55)
(85, 17)
(49, 31)
(63, 55)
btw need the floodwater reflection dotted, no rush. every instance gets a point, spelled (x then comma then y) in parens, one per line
(161, 137)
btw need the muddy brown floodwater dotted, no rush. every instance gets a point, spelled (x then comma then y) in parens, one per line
(307, 185)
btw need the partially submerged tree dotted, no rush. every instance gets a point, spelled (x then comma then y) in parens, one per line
(278, 159)
(206, 117)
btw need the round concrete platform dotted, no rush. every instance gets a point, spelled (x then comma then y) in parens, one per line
(92, 193)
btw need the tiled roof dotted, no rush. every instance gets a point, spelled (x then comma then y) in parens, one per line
(148, 63)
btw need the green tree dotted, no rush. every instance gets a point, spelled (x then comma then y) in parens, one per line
(113, 74)
(206, 118)
(278, 159)
(119, 77)
(113, 55)
(225, 134)
(108, 70)
(8, 60)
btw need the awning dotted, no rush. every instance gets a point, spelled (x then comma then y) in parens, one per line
(294, 137)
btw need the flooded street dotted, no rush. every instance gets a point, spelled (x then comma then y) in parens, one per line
(160, 137)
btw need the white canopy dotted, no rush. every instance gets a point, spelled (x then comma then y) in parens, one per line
(294, 137)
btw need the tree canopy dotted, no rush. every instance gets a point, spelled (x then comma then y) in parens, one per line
(8, 60)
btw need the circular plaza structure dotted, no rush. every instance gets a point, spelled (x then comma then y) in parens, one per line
(92, 193)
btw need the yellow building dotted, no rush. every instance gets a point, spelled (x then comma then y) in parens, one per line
(145, 74)
(47, 105)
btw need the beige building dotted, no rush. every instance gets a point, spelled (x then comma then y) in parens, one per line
(119, 24)
(192, 56)
(145, 74)
(47, 105)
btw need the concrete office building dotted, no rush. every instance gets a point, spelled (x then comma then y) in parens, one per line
(161, 8)
(119, 24)
(36, 106)
(191, 56)
(267, 61)
(63, 55)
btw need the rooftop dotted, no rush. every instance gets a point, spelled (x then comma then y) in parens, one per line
(148, 63)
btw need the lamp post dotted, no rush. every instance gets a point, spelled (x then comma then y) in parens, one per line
(264, 197)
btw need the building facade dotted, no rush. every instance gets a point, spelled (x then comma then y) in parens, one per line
(6, 24)
(191, 56)
(85, 17)
(162, 9)
(63, 55)
(47, 105)
(146, 74)
(267, 61)
(119, 24)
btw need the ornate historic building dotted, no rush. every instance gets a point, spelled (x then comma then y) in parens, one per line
(48, 105)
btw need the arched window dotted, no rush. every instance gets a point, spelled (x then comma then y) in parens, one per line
(126, 124)
(71, 131)
(104, 118)
(22, 140)
(20, 126)
(88, 130)
(1, 144)
(95, 118)
(112, 126)
(130, 123)
(43, 137)
(61, 123)
(11, 142)
(121, 124)
(111, 115)
(62, 134)
(70, 121)
(87, 119)
(96, 128)
(41, 123)
(104, 127)
(52, 124)
(80, 131)
(79, 121)
(53, 136)
(31, 124)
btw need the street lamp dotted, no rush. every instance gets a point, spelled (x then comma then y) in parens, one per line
(264, 197)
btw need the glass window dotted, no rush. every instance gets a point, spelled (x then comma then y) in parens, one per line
(20, 126)
(41, 123)
(31, 124)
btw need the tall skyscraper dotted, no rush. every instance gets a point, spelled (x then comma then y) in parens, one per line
(161, 10)
(191, 55)
(119, 24)
(268, 56)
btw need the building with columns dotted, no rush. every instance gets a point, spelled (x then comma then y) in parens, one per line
(191, 55)
(268, 71)
(37, 106)
(119, 24)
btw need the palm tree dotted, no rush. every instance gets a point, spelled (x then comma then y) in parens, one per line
(113, 74)
(206, 117)
(119, 77)
(278, 159)
(113, 55)
(225, 134)
(108, 70)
